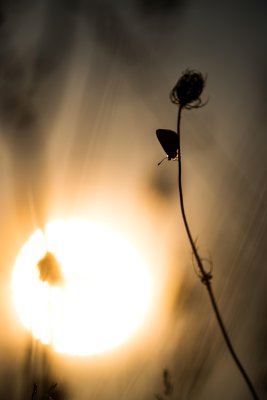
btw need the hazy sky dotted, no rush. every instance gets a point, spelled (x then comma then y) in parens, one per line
(84, 85)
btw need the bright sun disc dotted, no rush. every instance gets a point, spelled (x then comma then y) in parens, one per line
(102, 297)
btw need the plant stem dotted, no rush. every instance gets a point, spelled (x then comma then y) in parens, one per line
(206, 277)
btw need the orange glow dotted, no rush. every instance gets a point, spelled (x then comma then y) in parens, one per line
(103, 296)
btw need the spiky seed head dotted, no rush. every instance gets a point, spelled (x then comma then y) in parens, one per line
(188, 89)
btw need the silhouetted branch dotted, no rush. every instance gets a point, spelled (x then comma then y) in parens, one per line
(34, 391)
(186, 95)
(167, 386)
(205, 276)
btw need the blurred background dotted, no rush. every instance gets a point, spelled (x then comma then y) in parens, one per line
(83, 87)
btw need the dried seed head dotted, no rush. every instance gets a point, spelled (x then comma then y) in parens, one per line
(188, 89)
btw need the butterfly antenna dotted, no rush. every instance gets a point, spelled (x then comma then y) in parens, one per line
(162, 160)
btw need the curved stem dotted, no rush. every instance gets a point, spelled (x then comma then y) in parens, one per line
(206, 277)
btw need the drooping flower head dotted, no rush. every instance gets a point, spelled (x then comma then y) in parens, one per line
(188, 89)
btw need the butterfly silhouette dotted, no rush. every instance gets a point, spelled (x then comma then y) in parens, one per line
(170, 143)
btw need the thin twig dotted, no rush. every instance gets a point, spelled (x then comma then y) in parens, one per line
(34, 391)
(206, 276)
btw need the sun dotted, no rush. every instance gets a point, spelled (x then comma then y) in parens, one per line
(81, 287)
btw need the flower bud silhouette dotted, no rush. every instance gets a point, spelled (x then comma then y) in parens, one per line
(188, 89)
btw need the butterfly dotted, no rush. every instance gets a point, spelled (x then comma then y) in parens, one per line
(170, 142)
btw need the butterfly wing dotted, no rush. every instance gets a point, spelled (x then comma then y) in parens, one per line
(169, 141)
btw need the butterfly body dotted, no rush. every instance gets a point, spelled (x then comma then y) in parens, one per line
(169, 141)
